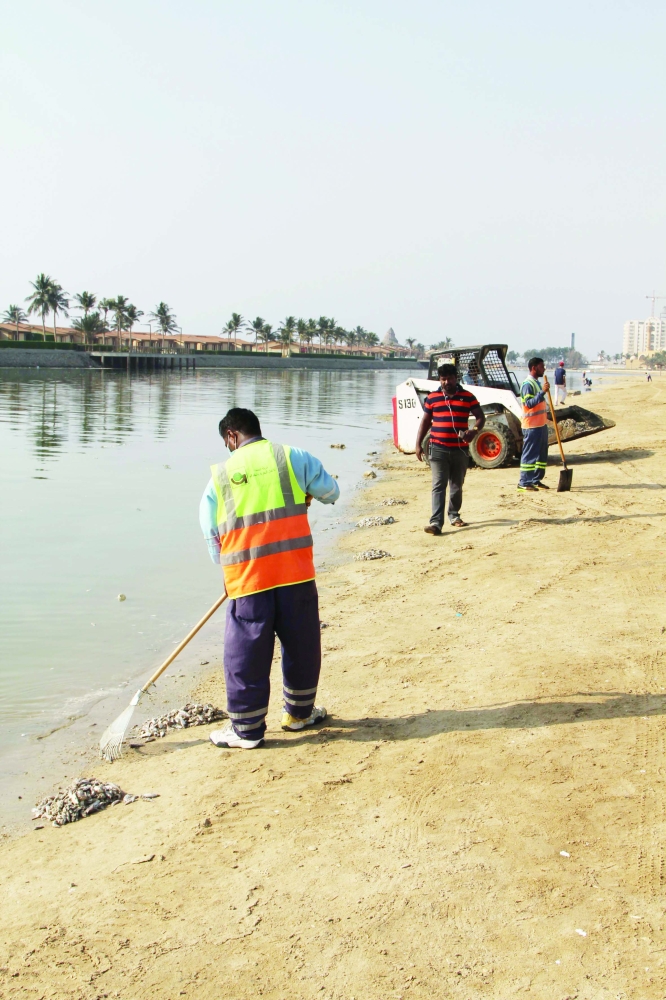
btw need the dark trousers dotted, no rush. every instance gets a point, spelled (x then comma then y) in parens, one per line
(291, 613)
(534, 456)
(448, 467)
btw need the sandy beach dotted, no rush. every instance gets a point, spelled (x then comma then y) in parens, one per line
(482, 816)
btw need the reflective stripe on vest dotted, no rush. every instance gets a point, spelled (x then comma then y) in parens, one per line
(265, 538)
(536, 416)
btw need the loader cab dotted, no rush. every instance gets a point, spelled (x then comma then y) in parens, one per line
(481, 365)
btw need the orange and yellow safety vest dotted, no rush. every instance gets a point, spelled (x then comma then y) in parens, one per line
(265, 538)
(533, 416)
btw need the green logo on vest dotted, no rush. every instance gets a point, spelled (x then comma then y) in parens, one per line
(238, 478)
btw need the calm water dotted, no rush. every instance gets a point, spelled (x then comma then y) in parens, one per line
(101, 479)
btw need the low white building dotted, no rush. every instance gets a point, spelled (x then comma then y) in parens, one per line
(644, 336)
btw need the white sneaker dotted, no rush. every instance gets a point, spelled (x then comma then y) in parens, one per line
(228, 737)
(291, 722)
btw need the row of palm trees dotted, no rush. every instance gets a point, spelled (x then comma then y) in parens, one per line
(325, 329)
(48, 296)
(101, 315)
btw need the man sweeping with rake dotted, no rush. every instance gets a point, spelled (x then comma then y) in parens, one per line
(254, 517)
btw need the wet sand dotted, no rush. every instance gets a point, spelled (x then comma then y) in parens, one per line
(483, 815)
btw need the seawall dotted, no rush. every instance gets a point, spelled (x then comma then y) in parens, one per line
(18, 357)
(43, 358)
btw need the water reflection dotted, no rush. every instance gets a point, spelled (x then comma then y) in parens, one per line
(92, 408)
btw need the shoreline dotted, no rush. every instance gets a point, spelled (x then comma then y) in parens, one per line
(69, 748)
(488, 784)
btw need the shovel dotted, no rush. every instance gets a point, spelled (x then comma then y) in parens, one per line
(566, 475)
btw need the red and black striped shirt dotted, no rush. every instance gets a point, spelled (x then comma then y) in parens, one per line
(450, 414)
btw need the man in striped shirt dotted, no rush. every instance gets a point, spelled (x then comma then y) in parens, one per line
(446, 415)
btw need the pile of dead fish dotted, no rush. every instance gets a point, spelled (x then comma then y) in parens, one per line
(372, 554)
(181, 718)
(373, 522)
(392, 502)
(83, 798)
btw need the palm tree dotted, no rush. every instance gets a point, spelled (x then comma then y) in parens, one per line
(443, 345)
(357, 336)
(322, 329)
(232, 327)
(303, 330)
(40, 300)
(119, 307)
(132, 315)
(371, 339)
(59, 303)
(339, 335)
(106, 305)
(15, 315)
(257, 326)
(286, 333)
(351, 339)
(265, 334)
(165, 319)
(90, 324)
(86, 301)
(410, 341)
(312, 329)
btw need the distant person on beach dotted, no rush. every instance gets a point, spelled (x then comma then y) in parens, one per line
(648, 376)
(446, 416)
(254, 517)
(534, 456)
(560, 384)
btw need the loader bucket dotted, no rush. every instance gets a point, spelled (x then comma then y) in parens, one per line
(576, 422)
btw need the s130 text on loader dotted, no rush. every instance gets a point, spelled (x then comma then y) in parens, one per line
(482, 369)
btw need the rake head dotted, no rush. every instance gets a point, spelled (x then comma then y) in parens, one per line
(111, 743)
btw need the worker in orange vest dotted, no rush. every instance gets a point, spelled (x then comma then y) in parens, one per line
(534, 456)
(254, 517)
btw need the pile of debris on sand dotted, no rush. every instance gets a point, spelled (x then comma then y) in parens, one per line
(181, 718)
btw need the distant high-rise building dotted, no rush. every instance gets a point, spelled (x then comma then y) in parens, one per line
(389, 339)
(644, 336)
(573, 341)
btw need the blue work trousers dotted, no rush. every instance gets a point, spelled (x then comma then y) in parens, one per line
(534, 456)
(291, 613)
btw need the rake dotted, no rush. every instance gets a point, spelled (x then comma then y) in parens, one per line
(111, 743)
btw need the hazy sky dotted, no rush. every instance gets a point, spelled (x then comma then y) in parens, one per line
(482, 170)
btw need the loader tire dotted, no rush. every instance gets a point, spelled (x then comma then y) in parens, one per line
(492, 447)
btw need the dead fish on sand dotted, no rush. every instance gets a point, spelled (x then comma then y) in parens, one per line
(392, 502)
(83, 798)
(181, 718)
(372, 522)
(372, 554)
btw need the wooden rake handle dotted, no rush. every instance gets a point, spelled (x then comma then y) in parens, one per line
(557, 429)
(172, 656)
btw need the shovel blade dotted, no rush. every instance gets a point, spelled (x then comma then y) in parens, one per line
(564, 483)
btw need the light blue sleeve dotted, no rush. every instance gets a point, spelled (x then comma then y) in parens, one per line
(312, 477)
(529, 399)
(208, 521)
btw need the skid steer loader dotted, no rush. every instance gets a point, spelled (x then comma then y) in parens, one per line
(482, 369)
